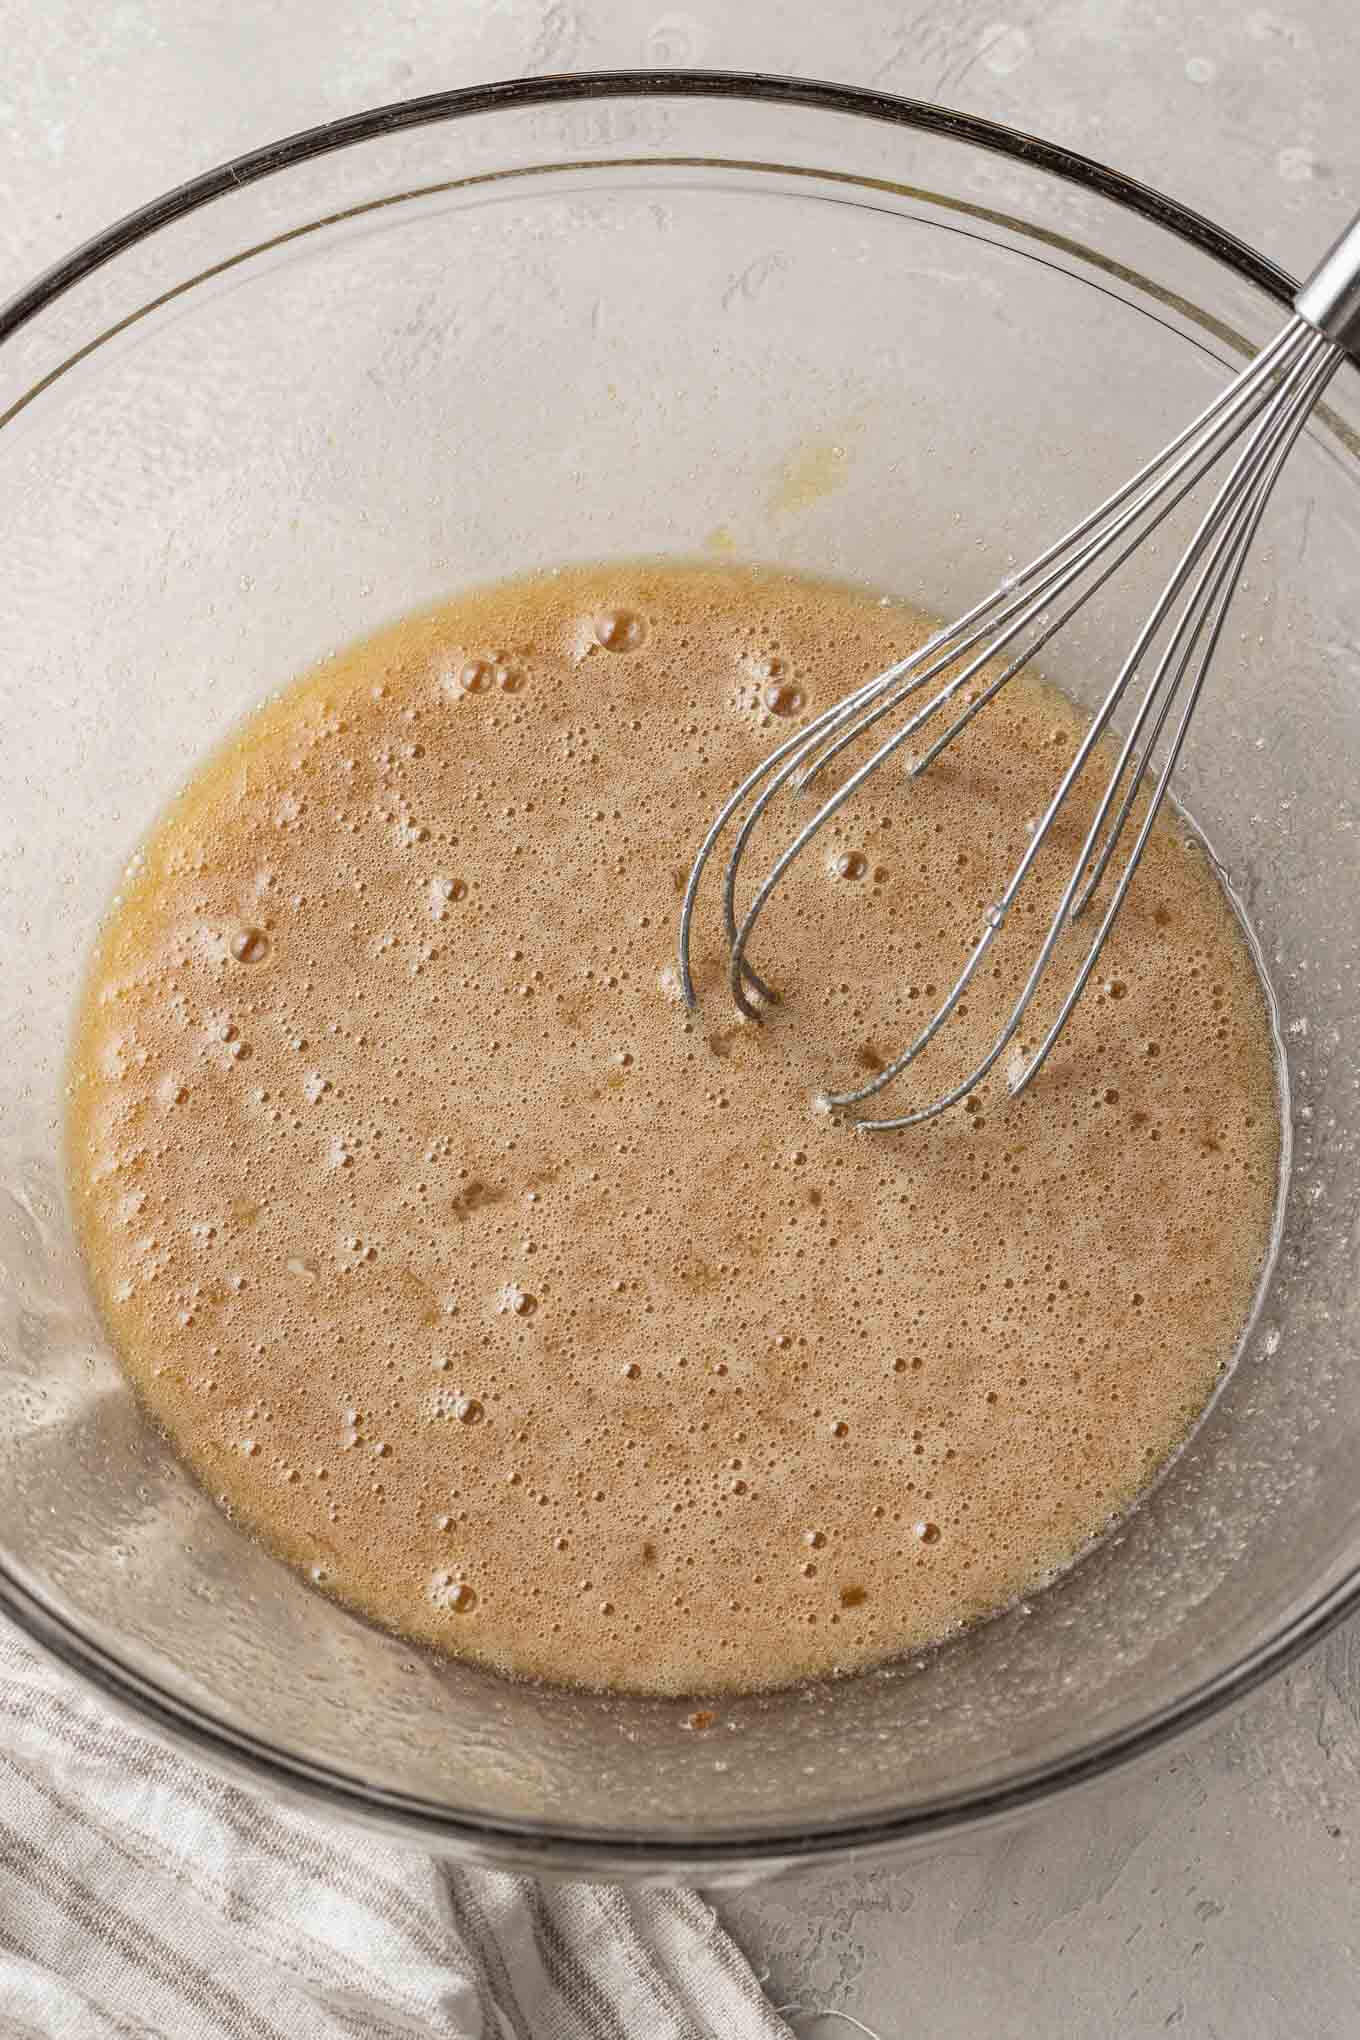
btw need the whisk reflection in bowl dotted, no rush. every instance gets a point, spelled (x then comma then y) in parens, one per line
(1257, 417)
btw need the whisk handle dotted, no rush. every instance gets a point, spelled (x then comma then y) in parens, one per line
(1330, 300)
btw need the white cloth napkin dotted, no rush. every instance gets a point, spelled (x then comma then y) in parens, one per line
(143, 1898)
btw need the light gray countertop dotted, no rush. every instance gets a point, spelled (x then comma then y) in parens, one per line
(1208, 1893)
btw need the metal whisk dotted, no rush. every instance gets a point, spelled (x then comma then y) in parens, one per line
(1257, 417)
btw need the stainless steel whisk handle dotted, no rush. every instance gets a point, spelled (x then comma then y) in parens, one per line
(1330, 300)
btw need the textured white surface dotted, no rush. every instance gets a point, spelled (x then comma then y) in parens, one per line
(1210, 1893)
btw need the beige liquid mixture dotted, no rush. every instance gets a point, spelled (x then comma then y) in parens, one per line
(545, 1323)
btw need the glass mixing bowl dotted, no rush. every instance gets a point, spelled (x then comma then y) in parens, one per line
(566, 319)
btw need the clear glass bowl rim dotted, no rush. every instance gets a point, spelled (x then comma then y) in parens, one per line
(537, 1845)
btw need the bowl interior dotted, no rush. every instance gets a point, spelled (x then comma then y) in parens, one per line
(675, 324)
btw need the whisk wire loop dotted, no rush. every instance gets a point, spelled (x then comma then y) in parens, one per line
(1225, 530)
(1256, 418)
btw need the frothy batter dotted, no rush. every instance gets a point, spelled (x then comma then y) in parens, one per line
(545, 1323)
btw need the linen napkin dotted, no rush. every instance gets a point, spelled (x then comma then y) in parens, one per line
(144, 1898)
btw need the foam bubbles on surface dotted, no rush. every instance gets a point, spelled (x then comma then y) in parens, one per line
(542, 1320)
